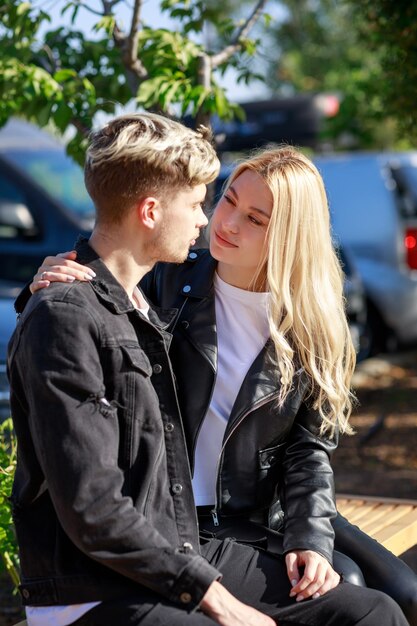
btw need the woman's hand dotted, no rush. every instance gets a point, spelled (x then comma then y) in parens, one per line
(318, 575)
(62, 269)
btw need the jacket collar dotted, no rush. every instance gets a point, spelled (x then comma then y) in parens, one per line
(198, 284)
(110, 290)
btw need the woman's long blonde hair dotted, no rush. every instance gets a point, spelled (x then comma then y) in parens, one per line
(307, 311)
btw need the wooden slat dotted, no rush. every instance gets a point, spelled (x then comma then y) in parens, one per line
(391, 521)
(349, 507)
(386, 519)
(364, 510)
(379, 510)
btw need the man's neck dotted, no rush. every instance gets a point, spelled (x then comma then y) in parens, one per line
(127, 266)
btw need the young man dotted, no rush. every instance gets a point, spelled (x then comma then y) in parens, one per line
(102, 499)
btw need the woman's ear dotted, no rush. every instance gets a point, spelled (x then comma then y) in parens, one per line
(148, 211)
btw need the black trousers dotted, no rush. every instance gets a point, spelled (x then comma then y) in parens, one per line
(259, 579)
(359, 558)
(381, 569)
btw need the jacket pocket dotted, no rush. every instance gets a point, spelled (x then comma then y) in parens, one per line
(269, 473)
(137, 359)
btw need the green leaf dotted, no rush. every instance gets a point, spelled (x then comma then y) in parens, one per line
(43, 114)
(22, 8)
(106, 23)
(63, 75)
(62, 116)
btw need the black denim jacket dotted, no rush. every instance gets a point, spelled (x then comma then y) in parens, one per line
(102, 498)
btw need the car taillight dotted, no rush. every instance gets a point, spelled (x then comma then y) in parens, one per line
(410, 242)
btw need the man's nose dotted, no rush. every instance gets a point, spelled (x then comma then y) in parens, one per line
(202, 219)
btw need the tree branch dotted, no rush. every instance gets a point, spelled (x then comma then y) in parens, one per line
(236, 45)
(80, 127)
(131, 53)
(89, 9)
(128, 45)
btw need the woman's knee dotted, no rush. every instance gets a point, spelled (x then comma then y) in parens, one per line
(348, 569)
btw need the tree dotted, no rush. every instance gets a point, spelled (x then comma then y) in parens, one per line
(388, 28)
(68, 77)
(319, 49)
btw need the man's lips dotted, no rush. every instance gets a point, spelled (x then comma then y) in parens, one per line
(223, 242)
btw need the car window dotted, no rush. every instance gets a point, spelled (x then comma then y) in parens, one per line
(361, 202)
(404, 174)
(16, 219)
(58, 175)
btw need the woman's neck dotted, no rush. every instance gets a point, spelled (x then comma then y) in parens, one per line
(242, 277)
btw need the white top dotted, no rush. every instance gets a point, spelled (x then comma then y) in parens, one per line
(242, 331)
(64, 615)
(56, 615)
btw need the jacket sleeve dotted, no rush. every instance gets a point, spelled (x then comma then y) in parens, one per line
(22, 299)
(76, 444)
(308, 495)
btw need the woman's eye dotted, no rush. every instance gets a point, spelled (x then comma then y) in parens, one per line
(254, 220)
(228, 199)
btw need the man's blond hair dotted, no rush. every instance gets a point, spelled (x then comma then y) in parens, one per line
(138, 155)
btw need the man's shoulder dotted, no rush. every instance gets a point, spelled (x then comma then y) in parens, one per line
(77, 295)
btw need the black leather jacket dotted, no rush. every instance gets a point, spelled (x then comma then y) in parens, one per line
(268, 453)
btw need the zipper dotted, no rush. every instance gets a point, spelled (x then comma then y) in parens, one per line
(214, 511)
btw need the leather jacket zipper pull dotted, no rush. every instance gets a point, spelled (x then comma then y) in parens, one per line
(215, 518)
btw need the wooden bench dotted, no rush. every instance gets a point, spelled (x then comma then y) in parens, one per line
(390, 521)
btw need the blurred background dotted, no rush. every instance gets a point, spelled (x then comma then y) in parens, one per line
(337, 78)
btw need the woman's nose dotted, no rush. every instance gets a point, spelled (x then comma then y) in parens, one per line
(230, 223)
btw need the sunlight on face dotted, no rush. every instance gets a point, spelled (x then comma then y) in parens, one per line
(238, 228)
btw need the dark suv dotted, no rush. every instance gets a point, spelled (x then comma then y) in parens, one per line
(43, 201)
(43, 207)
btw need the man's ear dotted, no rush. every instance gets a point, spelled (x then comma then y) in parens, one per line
(148, 211)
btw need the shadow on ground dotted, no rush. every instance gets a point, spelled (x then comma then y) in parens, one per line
(381, 458)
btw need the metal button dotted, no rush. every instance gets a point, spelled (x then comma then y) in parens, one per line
(169, 427)
(187, 546)
(186, 289)
(176, 488)
(157, 369)
(192, 255)
(186, 597)
(25, 593)
(185, 323)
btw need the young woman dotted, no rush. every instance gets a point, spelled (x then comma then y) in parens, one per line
(263, 359)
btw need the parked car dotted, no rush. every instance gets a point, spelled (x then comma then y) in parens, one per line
(373, 203)
(43, 201)
(43, 207)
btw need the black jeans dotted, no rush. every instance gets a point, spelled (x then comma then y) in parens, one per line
(259, 579)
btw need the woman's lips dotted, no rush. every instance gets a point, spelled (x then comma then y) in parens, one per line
(223, 242)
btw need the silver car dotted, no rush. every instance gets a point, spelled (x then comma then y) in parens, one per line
(373, 203)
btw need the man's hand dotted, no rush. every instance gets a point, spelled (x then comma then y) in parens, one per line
(227, 610)
(318, 577)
